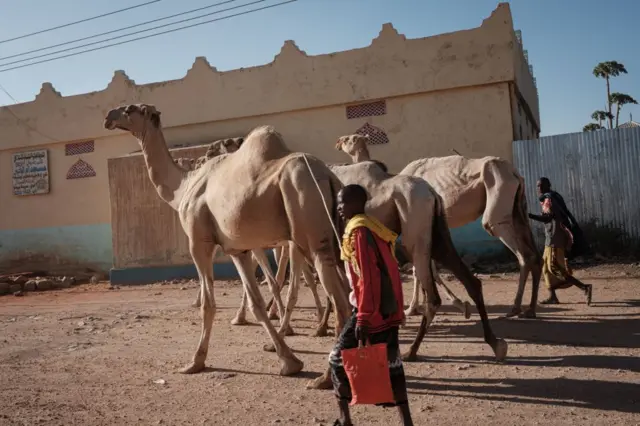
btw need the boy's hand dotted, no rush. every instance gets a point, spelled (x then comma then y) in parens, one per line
(362, 334)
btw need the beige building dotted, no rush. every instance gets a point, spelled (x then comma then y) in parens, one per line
(470, 90)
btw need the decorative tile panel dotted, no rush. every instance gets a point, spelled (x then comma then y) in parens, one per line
(370, 109)
(80, 169)
(376, 135)
(78, 148)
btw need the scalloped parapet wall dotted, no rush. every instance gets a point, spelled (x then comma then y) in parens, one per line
(390, 66)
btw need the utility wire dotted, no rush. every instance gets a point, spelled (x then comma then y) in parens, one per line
(78, 22)
(151, 35)
(118, 30)
(20, 120)
(134, 32)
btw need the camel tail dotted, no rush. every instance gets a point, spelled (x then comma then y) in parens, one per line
(443, 249)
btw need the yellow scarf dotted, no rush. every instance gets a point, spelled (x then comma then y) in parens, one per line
(348, 252)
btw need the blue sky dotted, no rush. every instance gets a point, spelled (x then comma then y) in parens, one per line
(565, 39)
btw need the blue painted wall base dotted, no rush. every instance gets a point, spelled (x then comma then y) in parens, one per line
(152, 274)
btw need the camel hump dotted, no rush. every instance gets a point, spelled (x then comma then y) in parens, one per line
(264, 143)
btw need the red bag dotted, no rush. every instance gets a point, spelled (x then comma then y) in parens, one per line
(367, 368)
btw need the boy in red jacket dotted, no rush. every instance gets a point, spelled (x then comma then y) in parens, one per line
(376, 297)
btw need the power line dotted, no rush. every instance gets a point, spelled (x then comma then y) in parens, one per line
(135, 32)
(78, 22)
(150, 35)
(118, 30)
(20, 120)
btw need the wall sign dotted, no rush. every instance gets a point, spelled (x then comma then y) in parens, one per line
(31, 172)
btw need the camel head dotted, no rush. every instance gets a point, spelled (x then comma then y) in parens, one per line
(133, 118)
(224, 146)
(351, 144)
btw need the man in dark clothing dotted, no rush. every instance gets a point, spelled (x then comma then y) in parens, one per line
(579, 245)
(558, 240)
(376, 296)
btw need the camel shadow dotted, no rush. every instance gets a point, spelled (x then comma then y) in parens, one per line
(561, 391)
(228, 373)
(607, 362)
(552, 327)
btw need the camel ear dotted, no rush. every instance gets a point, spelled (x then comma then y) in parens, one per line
(130, 108)
(339, 143)
(152, 113)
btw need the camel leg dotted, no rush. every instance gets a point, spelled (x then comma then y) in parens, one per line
(202, 253)
(505, 217)
(273, 284)
(241, 314)
(290, 364)
(339, 299)
(283, 259)
(423, 275)
(413, 308)
(465, 307)
(528, 260)
(308, 277)
(294, 287)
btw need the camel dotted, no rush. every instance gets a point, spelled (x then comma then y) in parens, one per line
(492, 188)
(227, 146)
(273, 199)
(471, 187)
(410, 207)
(355, 146)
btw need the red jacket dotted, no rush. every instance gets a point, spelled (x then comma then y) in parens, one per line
(367, 289)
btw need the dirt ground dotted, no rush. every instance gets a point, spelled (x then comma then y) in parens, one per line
(93, 356)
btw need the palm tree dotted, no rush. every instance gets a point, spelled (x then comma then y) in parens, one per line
(592, 127)
(607, 70)
(621, 99)
(600, 116)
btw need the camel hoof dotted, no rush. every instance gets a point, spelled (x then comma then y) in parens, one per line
(467, 310)
(410, 357)
(321, 332)
(321, 382)
(515, 311)
(529, 313)
(194, 367)
(501, 349)
(291, 366)
(412, 311)
(195, 304)
(239, 321)
(269, 347)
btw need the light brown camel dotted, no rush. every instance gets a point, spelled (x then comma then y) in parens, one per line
(227, 146)
(273, 199)
(412, 209)
(471, 187)
(489, 187)
(409, 206)
(355, 146)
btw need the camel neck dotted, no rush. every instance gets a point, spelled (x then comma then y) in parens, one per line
(361, 155)
(166, 176)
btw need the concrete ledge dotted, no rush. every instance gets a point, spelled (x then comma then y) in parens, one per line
(152, 274)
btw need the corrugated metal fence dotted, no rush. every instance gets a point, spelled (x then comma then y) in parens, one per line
(598, 174)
